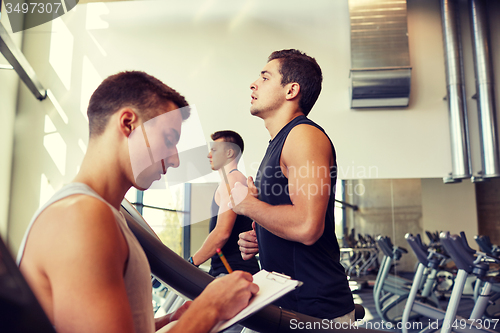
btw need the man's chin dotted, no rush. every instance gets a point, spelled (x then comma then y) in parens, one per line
(254, 112)
(142, 187)
(143, 183)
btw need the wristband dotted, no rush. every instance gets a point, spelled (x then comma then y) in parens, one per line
(190, 260)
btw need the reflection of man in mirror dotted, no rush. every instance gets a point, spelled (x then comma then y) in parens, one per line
(225, 225)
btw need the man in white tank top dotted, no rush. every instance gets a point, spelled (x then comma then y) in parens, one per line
(86, 268)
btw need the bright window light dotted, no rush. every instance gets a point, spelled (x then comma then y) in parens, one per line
(58, 107)
(82, 145)
(46, 190)
(90, 81)
(61, 51)
(56, 147)
(49, 125)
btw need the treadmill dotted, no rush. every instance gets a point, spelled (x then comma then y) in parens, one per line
(174, 271)
(20, 311)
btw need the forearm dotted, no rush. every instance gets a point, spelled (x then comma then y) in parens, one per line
(162, 321)
(197, 319)
(285, 221)
(214, 240)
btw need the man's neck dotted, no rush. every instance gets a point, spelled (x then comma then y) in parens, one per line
(278, 120)
(103, 175)
(227, 169)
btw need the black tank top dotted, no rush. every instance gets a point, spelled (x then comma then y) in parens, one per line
(231, 249)
(325, 293)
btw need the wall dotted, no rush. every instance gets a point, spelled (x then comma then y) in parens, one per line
(201, 200)
(449, 207)
(387, 207)
(211, 52)
(488, 209)
(9, 84)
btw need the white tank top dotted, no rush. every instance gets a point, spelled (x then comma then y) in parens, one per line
(137, 275)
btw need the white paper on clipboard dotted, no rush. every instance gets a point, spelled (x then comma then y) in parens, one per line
(271, 287)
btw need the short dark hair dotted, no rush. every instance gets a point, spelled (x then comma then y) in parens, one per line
(229, 136)
(138, 90)
(296, 66)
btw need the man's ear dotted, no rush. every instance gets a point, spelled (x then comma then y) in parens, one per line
(293, 90)
(230, 153)
(128, 121)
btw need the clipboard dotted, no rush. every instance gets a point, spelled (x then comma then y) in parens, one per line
(272, 286)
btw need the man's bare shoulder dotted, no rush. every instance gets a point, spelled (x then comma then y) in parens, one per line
(308, 133)
(236, 176)
(306, 139)
(76, 211)
(71, 225)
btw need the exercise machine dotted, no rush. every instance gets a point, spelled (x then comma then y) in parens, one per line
(467, 262)
(186, 279)
(20, 311)
(390, 291)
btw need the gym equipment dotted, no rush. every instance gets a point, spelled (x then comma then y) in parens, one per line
(390, 292)
(20, 311)
(425, 279)
(459, 251)
(432, 261)
(362, 258)
(484, 243)
(463, 256)
(493, 309)
(444, 277)
(360, 261)
(165, 299)
(171, 269)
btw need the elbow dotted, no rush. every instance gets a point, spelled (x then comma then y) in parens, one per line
(312, 233)
(223, 237)
(310, 240)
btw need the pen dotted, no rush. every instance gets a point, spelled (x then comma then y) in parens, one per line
(224, 261)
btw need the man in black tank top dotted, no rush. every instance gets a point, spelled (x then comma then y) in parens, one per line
(292, 200)
(225, 225)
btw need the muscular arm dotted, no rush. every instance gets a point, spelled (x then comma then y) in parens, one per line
(306, 160)
(225, 222)
(75, 260)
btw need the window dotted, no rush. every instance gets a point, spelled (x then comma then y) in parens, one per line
(164, 211)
